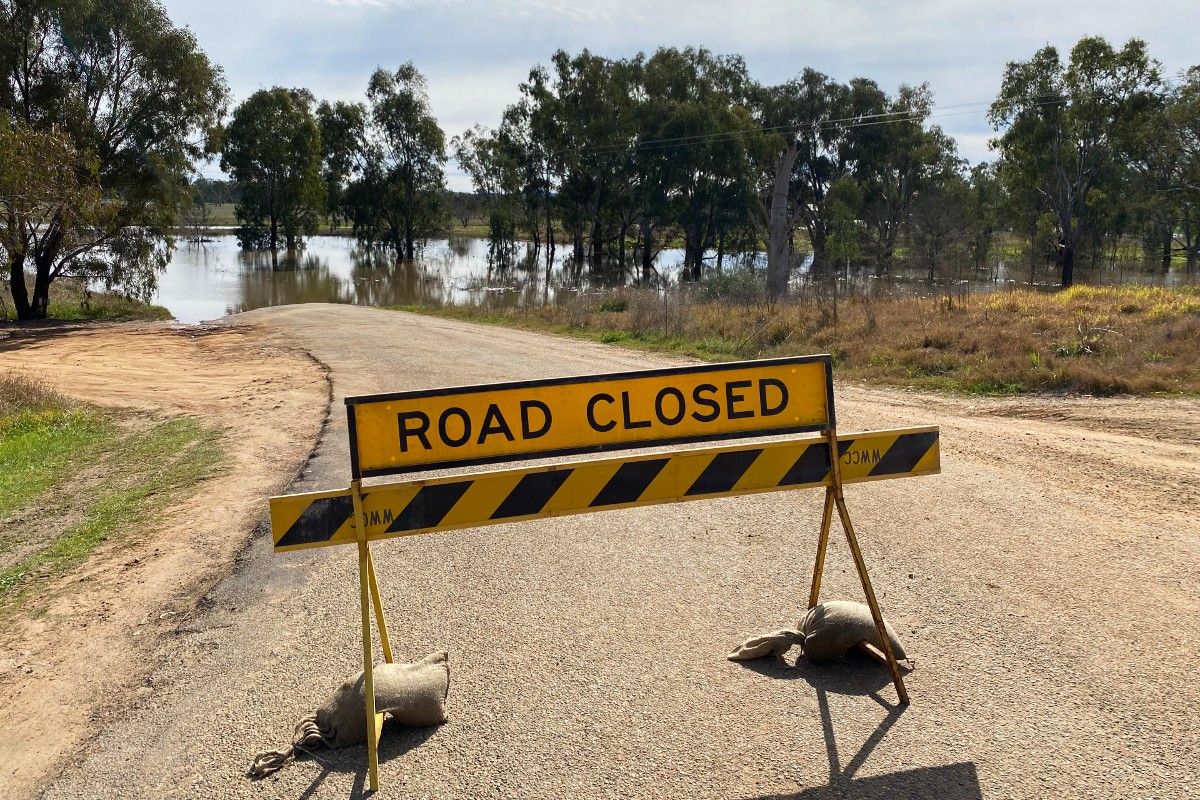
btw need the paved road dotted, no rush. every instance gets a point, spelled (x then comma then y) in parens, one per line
(1045, 584)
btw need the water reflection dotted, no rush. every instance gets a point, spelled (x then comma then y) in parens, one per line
(217, 278)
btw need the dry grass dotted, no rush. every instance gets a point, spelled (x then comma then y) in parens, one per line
(19, 393)
(1088, 340)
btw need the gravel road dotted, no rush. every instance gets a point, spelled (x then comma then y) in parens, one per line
(1045, 584)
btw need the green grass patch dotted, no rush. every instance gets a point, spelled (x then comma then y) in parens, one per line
(71, 301)
(38, 447)
(74, 477)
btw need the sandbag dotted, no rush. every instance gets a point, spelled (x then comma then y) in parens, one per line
(832, 628)
(828, 631)
(769, 644)
(412, 694)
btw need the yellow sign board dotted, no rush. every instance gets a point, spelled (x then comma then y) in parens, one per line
(407, 431)
(466, 501)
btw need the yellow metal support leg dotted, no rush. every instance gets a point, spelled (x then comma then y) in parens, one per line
(380, 622)
(876, 614)
(835, 491)
(814, 591)
(365, 586)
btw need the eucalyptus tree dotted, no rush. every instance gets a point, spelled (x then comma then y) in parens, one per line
(396, 200)
(492, 163)
(44, 183)
(985, 198)
(343, 131)
(1064, 125)
(811, 114)
(138, 103)
(272, 151)
(1183, 119)
(703, 134)
(1166, 174)
(940, 224)
(584, 101)
(896, 156)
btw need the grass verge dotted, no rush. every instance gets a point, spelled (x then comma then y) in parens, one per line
(1094, 340)
(72, 477)
(71, 301)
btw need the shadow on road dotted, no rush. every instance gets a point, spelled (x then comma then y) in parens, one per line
(395, 741)
(858, 675)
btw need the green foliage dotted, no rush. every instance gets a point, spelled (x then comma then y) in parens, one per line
(615, 304)
(272, 150)
(735, 286)
(1071, 130)
(343, 128)
(396, 200)
(136, 118)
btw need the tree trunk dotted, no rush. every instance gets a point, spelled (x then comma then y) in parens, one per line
(274, 232)
(1068, 266)
(577, 233)
(621, 245)
(597, 244)
(647, 232)
(16, 284)
(1168, 239)
(816, 239)
(40, 307)
(779, 226)
(693, 253)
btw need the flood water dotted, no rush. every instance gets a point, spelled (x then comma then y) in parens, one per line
(216, 278)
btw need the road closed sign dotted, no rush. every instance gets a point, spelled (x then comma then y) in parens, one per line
(461, 426)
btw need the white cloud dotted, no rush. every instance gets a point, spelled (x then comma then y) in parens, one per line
(475, 52)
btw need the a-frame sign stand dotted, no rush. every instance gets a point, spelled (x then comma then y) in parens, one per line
(834, 497)
(465, 426)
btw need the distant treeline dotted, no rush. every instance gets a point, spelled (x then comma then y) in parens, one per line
(682, 146)
(106, 108)
(214, 191)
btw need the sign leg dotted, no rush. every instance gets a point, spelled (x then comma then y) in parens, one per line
(822, 543)
(876, 614)
(366, 585)
(368, 668)
(380, 622)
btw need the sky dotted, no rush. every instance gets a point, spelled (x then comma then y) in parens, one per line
(474, 53)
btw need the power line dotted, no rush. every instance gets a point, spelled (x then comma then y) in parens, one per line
(818, 126)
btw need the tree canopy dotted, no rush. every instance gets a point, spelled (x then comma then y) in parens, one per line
(272, 151)
(137, 102)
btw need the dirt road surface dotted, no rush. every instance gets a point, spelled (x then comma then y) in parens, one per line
(1045, 584)
(68, 669)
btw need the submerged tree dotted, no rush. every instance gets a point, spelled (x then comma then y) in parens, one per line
(137, 101)
(396, 201)
(343, 129)
(273, 153)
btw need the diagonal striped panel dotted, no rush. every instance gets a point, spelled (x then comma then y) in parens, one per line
(531, 494)
(630, 480)
(467, 501)
(723, 472)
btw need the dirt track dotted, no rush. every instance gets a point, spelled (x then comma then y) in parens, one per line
(67, 671)
(1045, 584)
